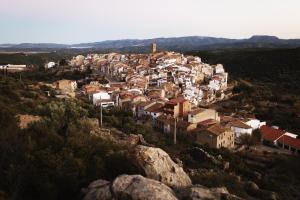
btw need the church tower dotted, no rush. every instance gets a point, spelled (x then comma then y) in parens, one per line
(154, 48)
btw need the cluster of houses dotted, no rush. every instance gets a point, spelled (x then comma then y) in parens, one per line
(206, 126)
(160, 75)
(168, 89)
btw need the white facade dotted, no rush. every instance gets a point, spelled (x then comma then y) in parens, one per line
(100, 96)
(219, 69)
(240, 131)
(50, 65)
(255, 123)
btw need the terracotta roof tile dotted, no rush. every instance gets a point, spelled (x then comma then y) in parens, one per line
(270, 134)
(292, 142)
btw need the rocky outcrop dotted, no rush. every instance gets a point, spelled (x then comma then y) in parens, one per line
(158, 165)
(137, 187)
(165, 180)
(199, 192)
(129, 187)
(99, 189)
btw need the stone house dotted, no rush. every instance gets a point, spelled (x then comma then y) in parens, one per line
(215, 136)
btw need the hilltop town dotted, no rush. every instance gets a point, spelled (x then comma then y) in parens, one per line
(171, 91)
(157, 76)
(165, 88)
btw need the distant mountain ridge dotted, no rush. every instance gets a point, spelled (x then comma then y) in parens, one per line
(173, 43)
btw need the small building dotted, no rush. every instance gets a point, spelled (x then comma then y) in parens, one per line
(50, 65)
(215, 136)
(154, 111)
(289, 143)
(166, 124)
(270, 135)
(178, 107)
(103, 95)
(200, 114)
(279, 138)
(240, 128)
(142, 106)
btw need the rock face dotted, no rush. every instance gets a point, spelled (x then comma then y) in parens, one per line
(165, 181)
(137, 187)
(129, 187)
(198, 192)
(99, 189)
(158, 165)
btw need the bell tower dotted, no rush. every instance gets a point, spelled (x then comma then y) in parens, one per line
(154, 47)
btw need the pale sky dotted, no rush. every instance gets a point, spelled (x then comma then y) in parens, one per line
(75, 21)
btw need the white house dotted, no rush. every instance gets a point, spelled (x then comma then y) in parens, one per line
(154, 110)
(254, 123)
(219, 69)
(50, 65)
(99, 96)
(240, 128)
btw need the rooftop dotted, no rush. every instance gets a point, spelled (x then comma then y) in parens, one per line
(239, 124)
(270, 134)
(216, 129)
(290, 141)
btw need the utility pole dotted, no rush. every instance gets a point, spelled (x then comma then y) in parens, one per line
(175, 131)
(5, 72)
(20, 76)
(100, 112)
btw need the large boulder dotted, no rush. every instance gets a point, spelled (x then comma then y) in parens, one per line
(136, 187)
(98, 190)
(199, 192)
(129, 187)
(158, 165)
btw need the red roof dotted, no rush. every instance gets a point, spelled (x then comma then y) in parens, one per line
(178, 100)
(292, 142)
(270, 134)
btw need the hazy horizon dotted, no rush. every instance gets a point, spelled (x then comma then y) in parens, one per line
(74, 21)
